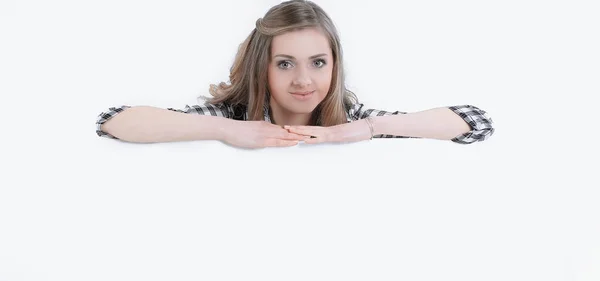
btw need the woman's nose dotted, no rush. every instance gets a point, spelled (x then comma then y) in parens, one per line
(302, 77)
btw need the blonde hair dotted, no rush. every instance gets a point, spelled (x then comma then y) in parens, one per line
(248, 74)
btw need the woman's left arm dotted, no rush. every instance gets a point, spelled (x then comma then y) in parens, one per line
(462, 124)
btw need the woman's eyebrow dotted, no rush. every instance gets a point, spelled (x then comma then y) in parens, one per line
(291, 57)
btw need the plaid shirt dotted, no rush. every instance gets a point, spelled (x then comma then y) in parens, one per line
(478, 120)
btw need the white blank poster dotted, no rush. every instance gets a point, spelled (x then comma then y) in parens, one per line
(518, 206)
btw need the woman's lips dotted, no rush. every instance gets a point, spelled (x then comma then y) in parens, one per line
(302, 95)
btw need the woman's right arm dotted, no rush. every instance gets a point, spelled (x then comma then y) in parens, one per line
(147, 124)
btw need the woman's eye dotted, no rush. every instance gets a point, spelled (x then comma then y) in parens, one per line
(320, 63)
(284, 64)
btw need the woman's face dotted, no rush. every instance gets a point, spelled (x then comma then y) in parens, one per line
(301, 62)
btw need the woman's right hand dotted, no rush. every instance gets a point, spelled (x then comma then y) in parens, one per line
(259, 134)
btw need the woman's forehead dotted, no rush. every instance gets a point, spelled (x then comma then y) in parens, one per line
(301, 43)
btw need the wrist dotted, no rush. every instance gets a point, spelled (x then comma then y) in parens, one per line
(380, 124)
(207, 127)
(369, 121)
(224, 128)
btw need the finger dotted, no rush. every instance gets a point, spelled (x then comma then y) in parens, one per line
(286, 142)
(280, 142)
(285, 135)
(290, 136)
(303, 131)
(293, 136)
(314, 140)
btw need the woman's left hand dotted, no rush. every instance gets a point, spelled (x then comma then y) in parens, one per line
(350, 132)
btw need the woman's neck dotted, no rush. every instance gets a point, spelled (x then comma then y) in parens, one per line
(282, 117)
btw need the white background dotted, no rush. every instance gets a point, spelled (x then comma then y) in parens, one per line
(519, 206)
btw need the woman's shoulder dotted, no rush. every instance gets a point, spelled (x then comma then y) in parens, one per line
(353, 110)
(229, 110)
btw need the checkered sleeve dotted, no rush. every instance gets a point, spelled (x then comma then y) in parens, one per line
(480, 122)
(477, 119)
(206, 109)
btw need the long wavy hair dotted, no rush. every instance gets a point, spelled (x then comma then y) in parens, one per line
(248, 85)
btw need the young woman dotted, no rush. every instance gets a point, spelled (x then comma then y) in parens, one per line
(287, 85)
